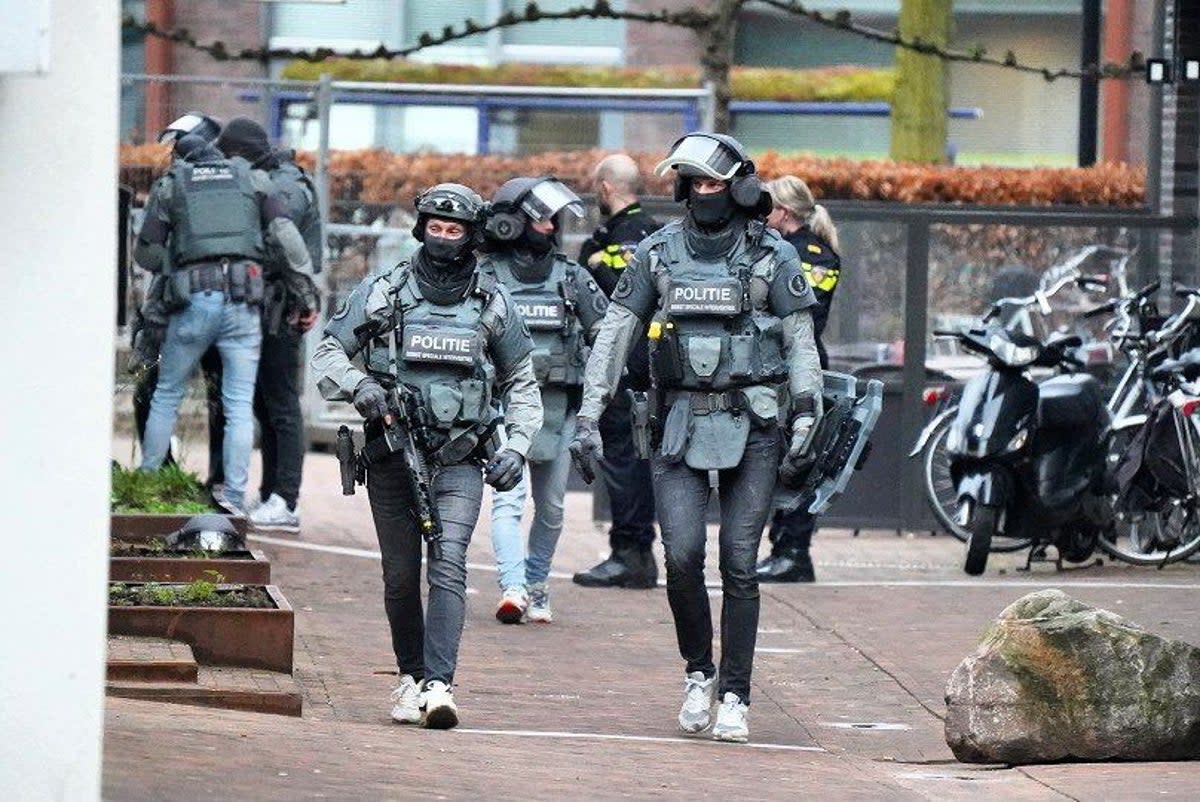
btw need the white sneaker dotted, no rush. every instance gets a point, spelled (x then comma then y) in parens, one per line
(698, 694)
(539, 604)
(731, 721)
(513, 604)
(273, 514)
(406, 701)
(438, 704)
(224, 503)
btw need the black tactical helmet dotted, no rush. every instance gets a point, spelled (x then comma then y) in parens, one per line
(210, 531)
(526, 198)
(719, 156)
(194, 122)
(448, 202)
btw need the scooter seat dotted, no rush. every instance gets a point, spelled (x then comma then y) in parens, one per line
(1070, 401)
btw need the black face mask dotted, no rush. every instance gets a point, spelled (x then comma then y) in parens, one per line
(537, 241)
(713, 210)
(443, 252)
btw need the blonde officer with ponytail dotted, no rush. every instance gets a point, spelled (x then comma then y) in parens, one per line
(807, 226)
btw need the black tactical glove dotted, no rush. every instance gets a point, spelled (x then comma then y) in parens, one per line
(370, 399)
(586, 446)
(504, 471)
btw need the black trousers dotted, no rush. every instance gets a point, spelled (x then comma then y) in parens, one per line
(627, 479)
(746, 496)
(792, 531)
(280, 421)
(210, 365)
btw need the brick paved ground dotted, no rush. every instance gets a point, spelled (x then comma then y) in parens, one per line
(585, 707)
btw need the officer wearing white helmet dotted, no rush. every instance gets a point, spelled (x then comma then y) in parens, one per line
(737, 386)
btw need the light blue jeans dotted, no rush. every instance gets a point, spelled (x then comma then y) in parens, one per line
(549, 482)
(236, 330)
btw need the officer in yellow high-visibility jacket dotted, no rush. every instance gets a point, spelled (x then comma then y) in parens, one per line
(807, 226)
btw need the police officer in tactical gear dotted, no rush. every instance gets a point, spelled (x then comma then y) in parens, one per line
(563, 308)
(616, 182)
(732, 357)
(206, 229)
(807, 226)
(188, 134)
(277, 391)
(436, 327)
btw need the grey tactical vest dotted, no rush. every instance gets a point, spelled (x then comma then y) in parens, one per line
(214, 212)
(549, 309)
(294, 184)
(715, 315)
(440, 351)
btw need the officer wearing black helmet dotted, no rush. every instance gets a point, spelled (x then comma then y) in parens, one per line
(735, 374)
(451, 335)
(563, 307)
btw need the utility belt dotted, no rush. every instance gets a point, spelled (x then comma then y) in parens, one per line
(708, 429)
(240, 279)
(476, 445)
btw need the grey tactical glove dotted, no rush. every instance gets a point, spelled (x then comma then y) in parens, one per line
(370, 399)
(586, 447)
(803, 428)
(504, 471)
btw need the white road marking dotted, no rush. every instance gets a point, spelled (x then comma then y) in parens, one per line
(866, 725)
(1037, 582)
(773, 650)
(602, 736)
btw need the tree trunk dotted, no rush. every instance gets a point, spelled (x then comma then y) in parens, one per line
(922, 84)
(717, 39)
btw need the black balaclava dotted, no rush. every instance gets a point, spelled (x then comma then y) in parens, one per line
(246, 138)
(444, 267)
(713, 223)
(712, 211)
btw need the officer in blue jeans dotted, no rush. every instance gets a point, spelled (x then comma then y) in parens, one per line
(563, 307)
(206, 229)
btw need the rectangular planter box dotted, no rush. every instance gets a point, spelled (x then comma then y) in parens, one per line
(252, 568)
(142, 527)
(221, 636)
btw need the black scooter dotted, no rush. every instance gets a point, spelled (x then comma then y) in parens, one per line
(1029, 460)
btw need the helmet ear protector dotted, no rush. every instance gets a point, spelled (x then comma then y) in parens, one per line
(505, 222)
(720, 157)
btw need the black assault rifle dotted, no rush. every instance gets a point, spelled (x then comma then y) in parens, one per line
(406, 433)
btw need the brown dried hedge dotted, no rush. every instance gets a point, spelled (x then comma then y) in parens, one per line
(380, 176)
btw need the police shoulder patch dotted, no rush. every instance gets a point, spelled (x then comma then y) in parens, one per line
(343, 309)
(797, 285)
(624, 287)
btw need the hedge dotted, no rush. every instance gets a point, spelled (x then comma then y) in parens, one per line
(748, 83)
(380, 176)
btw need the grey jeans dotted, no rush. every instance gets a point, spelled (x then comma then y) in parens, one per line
(746, 492)
(426, 645)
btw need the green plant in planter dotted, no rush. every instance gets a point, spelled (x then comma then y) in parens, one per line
(170, 489)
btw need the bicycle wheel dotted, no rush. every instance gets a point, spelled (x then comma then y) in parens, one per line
(943, 496)
(1154, 537)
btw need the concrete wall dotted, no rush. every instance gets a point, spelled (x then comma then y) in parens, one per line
(58, 136)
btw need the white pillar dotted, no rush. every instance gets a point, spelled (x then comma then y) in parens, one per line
(58, 139)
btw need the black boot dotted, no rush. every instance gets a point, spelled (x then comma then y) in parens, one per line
(630, 567)
(793, 565)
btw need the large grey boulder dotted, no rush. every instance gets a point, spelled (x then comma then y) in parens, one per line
(1055, 679)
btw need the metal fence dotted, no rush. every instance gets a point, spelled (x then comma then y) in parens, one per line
(906, 269)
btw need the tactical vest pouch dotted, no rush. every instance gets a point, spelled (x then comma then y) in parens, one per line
(475, 401)
(677, 429)
(665, 359)
(246, 285)
(445, 402)
(704, 355)
(762, 403)
(717, 440)
(770, 348)
(547, 443)
(742, 354)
